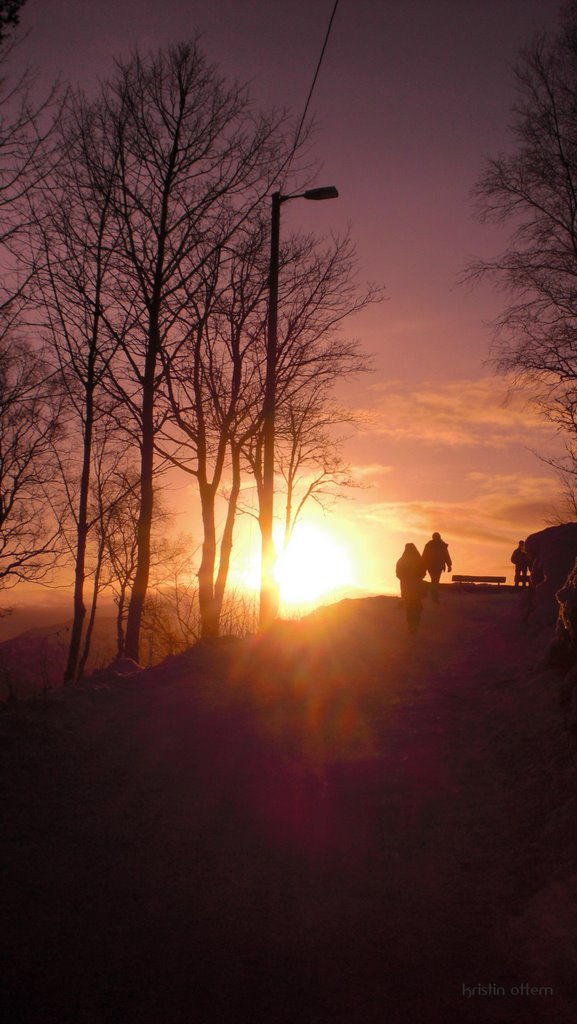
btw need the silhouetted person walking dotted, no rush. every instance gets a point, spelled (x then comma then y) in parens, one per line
(522, 562)
(436, 558)
(411, 571)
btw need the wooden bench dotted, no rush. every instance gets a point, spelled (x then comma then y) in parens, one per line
(479, 579)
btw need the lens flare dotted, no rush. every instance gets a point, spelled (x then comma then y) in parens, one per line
(313, 565)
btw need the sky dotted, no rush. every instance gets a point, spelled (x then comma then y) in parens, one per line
(412, 96)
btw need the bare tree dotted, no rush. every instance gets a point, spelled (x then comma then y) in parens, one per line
(9, 16)
(113, 489)
(27, 158)
(317, 291)
(193, 159)
(74, 242)
(565, 508)
(211, 384)
(118, 500)
(309, 455)
(120, 552)
(215, 383)
(30, 406)
(171, 622)
(535, 190)
(30, 421)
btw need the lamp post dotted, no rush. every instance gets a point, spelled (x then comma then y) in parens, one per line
(269, 588)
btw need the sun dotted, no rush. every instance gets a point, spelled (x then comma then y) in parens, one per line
(313, 565)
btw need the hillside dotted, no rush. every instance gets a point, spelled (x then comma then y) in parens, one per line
(34, 660)
(333, 824)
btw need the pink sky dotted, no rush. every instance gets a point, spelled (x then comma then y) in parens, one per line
(413, 94)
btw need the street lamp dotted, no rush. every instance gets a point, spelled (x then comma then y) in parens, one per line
(269, 588)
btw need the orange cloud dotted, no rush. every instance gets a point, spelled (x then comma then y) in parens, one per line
(504, 505)
(457, 413)
(371, 471)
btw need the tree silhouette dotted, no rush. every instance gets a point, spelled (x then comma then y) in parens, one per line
(9, 16)
(534, 189)
(74, 241)
(193, 159)
(215, 382)
(30, 421)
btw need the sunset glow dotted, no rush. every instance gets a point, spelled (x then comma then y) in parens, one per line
(314, 564)
(441, 443)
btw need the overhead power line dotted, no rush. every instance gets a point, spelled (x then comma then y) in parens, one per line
(311, 91)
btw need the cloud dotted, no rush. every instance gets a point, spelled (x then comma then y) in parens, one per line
(456, 414)
(454, 519)
(504, 506)
(520, 496)
(372, 471)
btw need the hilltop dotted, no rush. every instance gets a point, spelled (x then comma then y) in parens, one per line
(333, 823)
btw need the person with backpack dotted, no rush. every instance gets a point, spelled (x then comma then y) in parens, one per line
(436, 558)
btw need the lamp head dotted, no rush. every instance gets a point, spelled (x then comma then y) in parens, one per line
(326, 192)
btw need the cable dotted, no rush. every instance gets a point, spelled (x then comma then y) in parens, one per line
(309, 97)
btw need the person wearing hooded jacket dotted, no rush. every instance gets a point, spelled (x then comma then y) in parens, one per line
(436, 558)
(410, 572)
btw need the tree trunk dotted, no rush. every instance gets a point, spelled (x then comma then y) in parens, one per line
(140, 585)
(120, 641)
(79, 607)
(70, 673)
(206, 598)
(227, 535)
(92, 617)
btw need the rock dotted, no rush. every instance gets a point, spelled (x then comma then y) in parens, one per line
(120, 668)
(556, 597)
(556, 550)
(124, 667)
(563, 653)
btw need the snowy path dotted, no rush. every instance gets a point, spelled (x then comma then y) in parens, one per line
(339, 825)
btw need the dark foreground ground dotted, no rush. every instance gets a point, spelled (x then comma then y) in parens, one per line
(338, 824)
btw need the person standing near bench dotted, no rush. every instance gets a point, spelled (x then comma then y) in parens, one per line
(522, 562)
(436, 558)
